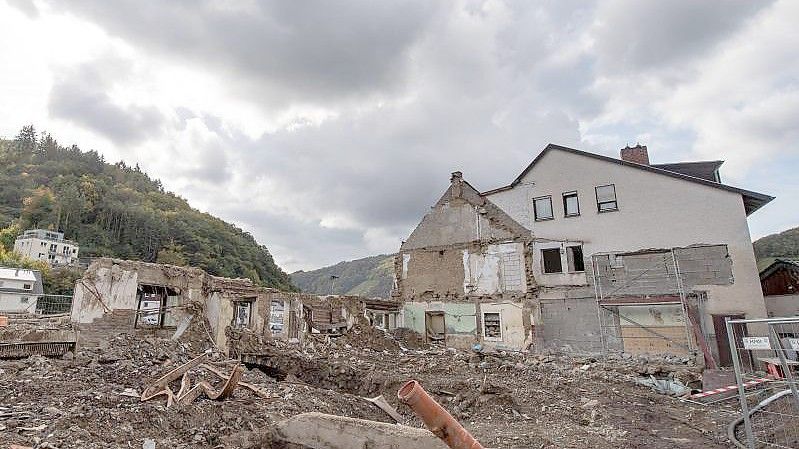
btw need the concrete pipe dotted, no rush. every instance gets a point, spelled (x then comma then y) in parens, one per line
(438, 420)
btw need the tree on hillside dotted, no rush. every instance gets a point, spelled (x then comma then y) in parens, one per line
(117, 210)
(784, 244)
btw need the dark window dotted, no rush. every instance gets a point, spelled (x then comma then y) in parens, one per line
(606, 198)
(543, 208)
(551, 257)
(571, 204)
(574, 257)
(26, 286)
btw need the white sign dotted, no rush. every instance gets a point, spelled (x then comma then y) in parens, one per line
(757, 343)
(794, 342)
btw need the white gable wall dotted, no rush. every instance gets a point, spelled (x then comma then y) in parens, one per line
(655, 211)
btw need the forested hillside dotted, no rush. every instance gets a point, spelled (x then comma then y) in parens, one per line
(371, 277)
(784, 244)
(118, 211)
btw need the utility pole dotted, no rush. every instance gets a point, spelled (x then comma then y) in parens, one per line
(333, 278)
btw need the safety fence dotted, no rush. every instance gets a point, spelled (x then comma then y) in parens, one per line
(765, 349)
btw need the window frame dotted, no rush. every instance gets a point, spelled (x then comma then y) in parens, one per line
(574, 259)
(543, 261)
(249, 303)
(551, 208)
(565, 207)
(599, 204)
(499, 315)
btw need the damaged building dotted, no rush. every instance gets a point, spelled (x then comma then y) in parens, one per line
(463, 274)
(122, 296)
(586, 252)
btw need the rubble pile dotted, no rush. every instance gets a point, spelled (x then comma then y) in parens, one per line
(507, 399)
(22, 327)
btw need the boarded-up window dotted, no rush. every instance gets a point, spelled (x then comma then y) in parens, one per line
(551, 258)
(574, 257)
(492, 326)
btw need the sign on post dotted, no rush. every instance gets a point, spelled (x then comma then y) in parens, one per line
(757, 343)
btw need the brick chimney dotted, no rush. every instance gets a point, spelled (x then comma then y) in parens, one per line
(637, 154)
(457, 188)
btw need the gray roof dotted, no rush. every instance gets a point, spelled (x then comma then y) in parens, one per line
(701, 169)
(778, 263)
(752, 200)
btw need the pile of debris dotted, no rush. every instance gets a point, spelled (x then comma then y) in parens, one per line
(94, 398)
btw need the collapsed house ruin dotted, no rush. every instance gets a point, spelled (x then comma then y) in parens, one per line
(122, 296)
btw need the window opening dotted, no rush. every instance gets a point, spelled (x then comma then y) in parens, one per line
(606, 198)
(574, 258)
(551, 258)
(243, 314)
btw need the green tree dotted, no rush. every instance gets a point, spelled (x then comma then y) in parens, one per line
(172, 254)
(8, 235)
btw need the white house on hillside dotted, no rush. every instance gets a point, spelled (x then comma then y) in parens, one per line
(19, 289)
(621, 255)
(49, 246)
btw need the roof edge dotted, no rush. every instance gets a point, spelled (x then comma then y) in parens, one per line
(758, 199)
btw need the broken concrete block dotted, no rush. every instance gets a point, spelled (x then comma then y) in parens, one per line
(321, 431)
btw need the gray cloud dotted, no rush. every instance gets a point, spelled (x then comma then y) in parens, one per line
(81, 96)
(414, 89)
(641, 35)
(308, 51)
(26, 6)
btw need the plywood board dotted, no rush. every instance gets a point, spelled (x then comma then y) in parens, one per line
(638, 341)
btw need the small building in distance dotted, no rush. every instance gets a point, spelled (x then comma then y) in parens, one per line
(780, 282)
(49, 246)
(19, 289)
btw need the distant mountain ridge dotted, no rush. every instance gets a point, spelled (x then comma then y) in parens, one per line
(370, 277)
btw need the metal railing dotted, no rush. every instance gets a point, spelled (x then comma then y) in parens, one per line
(53, 304)
(766, 350)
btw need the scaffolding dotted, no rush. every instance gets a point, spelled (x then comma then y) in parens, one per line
(643, 305)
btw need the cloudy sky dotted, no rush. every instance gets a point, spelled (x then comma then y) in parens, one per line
(328, 128)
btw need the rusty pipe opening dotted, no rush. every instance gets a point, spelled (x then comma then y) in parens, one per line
(435, 417)
(407, 390)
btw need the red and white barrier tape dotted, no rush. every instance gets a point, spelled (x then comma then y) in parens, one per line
(730, 388)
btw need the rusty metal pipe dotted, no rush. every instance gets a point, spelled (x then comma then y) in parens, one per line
(438, 420)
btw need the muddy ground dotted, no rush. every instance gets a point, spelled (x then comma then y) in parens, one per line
(508, 400)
